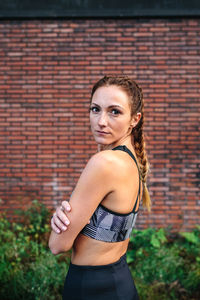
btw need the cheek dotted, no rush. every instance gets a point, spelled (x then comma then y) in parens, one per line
(92, 121)
(122, 125)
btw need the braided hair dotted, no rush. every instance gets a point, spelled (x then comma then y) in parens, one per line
(135, 95)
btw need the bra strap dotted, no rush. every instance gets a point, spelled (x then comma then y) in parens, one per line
(125, 149)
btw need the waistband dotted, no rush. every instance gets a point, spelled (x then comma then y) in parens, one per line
(99, 267)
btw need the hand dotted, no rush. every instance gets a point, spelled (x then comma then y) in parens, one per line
(59, 220)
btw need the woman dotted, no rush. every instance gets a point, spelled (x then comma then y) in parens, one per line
(108, 193)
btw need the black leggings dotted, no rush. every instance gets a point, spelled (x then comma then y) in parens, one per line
(107, 282)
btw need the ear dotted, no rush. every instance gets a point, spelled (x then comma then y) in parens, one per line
(135, 119)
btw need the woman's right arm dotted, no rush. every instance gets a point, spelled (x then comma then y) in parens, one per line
(59, 221)
(93, 184)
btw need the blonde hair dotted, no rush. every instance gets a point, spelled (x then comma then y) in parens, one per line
(135, 95)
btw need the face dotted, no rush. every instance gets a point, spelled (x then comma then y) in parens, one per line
(110, 115)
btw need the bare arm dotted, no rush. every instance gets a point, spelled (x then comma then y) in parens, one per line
(93, 184)
(60, 220)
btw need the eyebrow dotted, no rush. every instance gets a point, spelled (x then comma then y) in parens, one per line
(111, 106)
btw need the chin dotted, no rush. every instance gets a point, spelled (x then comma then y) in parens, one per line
(102, 143)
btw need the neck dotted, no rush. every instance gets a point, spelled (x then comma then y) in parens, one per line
(125, 141)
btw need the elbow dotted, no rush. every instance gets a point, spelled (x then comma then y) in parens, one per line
(54, 250)
(57, 249)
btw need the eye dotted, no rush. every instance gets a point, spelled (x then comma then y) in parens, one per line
(94, 109)
(115, 111)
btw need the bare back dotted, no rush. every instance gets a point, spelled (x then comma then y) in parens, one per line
(124, 186)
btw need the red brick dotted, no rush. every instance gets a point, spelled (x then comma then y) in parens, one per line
(46, 76)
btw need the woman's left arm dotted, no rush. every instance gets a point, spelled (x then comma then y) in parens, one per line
(93, 184)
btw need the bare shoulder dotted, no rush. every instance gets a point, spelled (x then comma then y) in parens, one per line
(119, 163)
(110, 163)
(104, 160)
(100, 163)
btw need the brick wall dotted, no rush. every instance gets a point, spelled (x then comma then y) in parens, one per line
(47, 69)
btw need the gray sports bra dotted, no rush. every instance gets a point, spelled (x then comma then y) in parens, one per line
(109, 226)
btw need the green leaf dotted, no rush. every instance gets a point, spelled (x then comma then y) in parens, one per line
(161, 235)
(155, 241)
(190, 237)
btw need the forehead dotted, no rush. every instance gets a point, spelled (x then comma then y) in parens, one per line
(111, 95)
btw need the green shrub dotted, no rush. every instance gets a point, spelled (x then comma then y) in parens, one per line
(28, 270)
(164, 265)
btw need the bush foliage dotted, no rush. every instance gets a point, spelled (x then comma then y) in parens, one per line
(28, 270)
(164, 265)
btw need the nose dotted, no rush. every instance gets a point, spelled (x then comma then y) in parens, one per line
(102, 121)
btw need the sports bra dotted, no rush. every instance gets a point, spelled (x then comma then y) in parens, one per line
(109, 226)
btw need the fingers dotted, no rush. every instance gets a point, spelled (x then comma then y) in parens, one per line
(61, 218)
(53, 226)
(66, 205)
(60, 221)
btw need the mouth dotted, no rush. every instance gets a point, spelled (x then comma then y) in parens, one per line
(102, 132)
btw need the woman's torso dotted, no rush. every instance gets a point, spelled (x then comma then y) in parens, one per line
(125, 186)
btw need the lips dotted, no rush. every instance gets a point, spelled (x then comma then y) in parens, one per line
(102, 132)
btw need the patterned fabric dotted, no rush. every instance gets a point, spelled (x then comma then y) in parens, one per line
(109, 226)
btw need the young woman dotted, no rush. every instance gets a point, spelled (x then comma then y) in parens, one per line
(103, 207)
